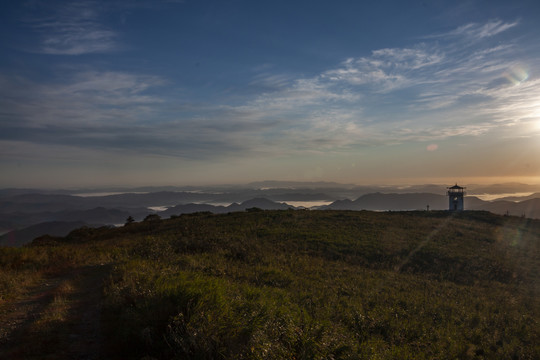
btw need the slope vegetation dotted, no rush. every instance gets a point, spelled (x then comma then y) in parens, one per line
(307, 285)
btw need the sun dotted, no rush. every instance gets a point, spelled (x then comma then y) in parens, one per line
(536, 118)
(533, 117)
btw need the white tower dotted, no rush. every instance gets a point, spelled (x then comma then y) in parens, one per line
(455, 198)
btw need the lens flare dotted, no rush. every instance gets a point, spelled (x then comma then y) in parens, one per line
(516, 74)
(509, 235)
(432, 147)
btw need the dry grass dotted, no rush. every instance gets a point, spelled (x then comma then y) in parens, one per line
(57, 310)
(290, 284)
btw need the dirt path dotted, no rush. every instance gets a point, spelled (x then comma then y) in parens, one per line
(57, 319)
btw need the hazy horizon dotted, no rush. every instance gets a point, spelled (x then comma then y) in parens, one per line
(503, 186)
(141, 93)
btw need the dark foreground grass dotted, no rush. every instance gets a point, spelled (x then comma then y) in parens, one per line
(319, 285)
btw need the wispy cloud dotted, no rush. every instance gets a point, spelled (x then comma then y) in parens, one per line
(478, 31)
(88, 96)
(385, 69)
(79, 27)
(430, 91)
(433, 90)
(74, 28)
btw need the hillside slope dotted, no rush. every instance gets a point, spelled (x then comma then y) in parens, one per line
(310, 285)
(26, 235)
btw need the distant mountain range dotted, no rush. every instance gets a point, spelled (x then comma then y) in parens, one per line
(25, 236)
(420, 201)
(260, 203)
(380, 201)
(25, 209)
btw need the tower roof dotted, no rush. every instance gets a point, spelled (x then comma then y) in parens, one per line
(456, 187)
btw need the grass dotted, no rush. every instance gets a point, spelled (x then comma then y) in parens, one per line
(311, 285)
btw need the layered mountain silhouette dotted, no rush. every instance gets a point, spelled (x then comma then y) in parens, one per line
(26, 235)
(259, 203)
(420, 201)
(50, 213)
(396, 202)
(380, 202)
(99, 215)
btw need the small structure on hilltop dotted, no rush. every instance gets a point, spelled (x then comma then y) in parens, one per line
(455, 198)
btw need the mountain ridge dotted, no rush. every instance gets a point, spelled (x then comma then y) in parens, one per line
(17, 238)
(20, 211)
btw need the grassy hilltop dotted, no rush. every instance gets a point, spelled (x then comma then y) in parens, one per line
(293, 285)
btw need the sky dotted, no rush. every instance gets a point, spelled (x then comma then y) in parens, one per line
(157, 92)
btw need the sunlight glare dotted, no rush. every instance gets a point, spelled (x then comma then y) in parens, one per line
(535, 116)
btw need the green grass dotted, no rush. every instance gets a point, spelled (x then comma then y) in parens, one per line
(314, 285)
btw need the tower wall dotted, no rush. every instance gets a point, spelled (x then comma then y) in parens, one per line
(455, 202)
(455, 198)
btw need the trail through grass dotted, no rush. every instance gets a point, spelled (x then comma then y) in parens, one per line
(59, 318)
(279, 285)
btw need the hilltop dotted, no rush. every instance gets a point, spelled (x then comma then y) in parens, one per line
(23, 211)
(283, 284)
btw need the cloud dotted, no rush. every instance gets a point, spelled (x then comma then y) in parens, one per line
(89, 97)
(425, 92)
(73, 28)
(434, 89)
(386, 69)
(478, 31)
(266, 82)
(121, 112)
(79, 27)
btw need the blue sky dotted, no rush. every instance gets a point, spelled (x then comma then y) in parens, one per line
(201, 92)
